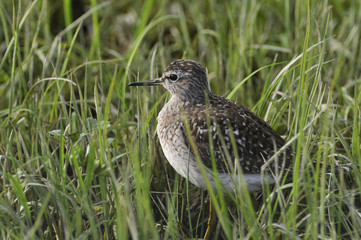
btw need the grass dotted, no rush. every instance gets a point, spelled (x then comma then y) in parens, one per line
(79, 155)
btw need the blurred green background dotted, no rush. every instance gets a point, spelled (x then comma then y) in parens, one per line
(79, 155)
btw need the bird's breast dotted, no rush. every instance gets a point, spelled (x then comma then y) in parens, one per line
(171, 134)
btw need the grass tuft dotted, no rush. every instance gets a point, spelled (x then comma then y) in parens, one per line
(79, 155)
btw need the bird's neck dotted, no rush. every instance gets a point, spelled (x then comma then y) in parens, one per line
(193, 97)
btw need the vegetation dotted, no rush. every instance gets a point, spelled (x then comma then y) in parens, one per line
(79, 155)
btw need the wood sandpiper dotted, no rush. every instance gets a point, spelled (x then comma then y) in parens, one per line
(220, 129)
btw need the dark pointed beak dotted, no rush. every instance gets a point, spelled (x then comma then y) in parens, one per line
(151, 82)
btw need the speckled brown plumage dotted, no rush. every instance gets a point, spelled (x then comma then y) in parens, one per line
(254, 140)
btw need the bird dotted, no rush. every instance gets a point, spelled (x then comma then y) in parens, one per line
(198, 129)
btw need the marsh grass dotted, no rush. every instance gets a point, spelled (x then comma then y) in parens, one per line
(79, 153)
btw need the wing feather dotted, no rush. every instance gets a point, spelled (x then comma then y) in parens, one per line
(254, 140)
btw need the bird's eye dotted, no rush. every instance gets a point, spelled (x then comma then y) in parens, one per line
(173, 77)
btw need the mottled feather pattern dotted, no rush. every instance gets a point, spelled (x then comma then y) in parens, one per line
(256, 141)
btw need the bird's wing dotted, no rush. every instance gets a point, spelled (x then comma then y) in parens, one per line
(238, 136)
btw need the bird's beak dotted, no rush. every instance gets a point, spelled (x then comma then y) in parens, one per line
(151, 82)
